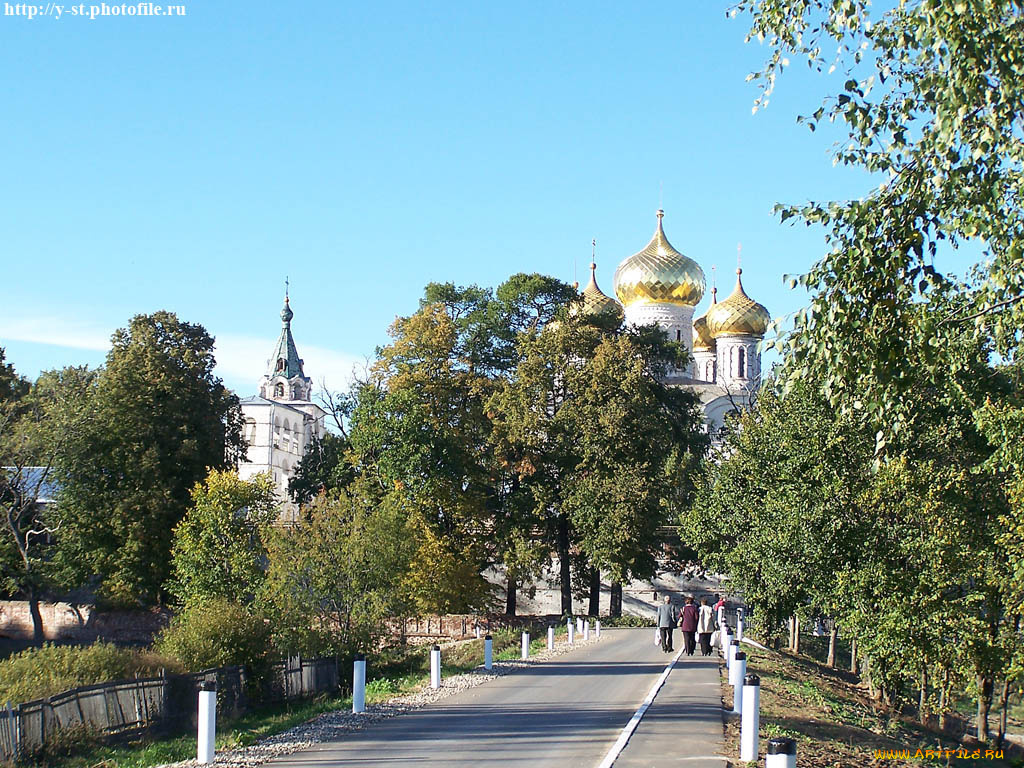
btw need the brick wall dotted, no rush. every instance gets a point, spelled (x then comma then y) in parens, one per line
(81, 623)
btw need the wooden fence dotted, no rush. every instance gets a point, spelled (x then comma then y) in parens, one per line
(165, 703)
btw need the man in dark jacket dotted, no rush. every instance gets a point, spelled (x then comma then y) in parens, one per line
(666, 621)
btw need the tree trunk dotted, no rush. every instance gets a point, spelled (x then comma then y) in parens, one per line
(833, 635)
(595, 593)
(922, 698)
(1004, 699)
(853, 655)
(985, 685)
(565, 577)
(615, 609)
(510, 596)
(796, 635)
(37, 617)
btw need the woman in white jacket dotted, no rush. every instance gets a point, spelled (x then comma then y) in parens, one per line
(705, 626)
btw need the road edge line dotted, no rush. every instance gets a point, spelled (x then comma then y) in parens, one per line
(634, 721)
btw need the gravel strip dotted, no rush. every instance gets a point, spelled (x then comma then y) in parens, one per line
(332, 726)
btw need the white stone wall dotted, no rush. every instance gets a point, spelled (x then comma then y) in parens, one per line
(278, 437)
(675, 319)
(704, 362)
(739, 361)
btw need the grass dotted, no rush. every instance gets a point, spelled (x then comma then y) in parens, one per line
(255, 725)
(832, 719)
(397, 671)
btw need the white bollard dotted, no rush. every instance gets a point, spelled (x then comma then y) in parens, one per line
(781, 754)
(597, 628)
(739, 623)
(488, 653)
(751, 723)
(721, 617)
(734, 645)
(586, 629)
(207, 722)
(572, 632)
(359, 684)
(526, 645)
(551, 638)
(477, 631)
(739, 671)
(579, 625)
(435, 667)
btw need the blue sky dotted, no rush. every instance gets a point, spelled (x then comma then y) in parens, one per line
(189, 164)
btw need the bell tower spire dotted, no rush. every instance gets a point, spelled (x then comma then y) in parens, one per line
(285, 379)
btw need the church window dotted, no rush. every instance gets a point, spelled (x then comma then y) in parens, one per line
(280, 363)
(679, 335)
(250, 431)
(279, 390)
(741, 363)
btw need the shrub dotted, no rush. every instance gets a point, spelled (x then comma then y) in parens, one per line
(216, 633)
(38, 672)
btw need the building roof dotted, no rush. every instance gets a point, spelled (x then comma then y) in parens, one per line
(659, 274)
(285, 360)
(292, 405)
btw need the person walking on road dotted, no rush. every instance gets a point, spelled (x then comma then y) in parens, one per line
(688, 625)
(719, 610)
(666, 621)
(705, 626)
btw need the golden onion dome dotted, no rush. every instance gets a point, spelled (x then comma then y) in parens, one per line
(595, 302)
(738, 314)
(702, 338)
(659, 274)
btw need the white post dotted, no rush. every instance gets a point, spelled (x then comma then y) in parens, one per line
(359, 684)
(579, 625)
(739, 623)
(435, 667)
(739, 671)
(526, 645)
(207, 722)
(586, 629)
(721, 617)
(781, 754)
(477, 631)
(488, 653)
(551, 638)
(572, 632)
(734, 645)
(751, 718)
(597, 628)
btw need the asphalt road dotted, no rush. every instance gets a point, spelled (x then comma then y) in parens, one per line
(567, 711)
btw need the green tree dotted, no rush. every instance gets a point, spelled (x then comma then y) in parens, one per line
(159, 421)
(335, 579)
(36, 424)
(904, 554)
(323, 468)
(219, 547)
(598, 441)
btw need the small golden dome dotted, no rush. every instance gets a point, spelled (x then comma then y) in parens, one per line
(659, 274)
(702, 338)
(595, 302)
(738, 315)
